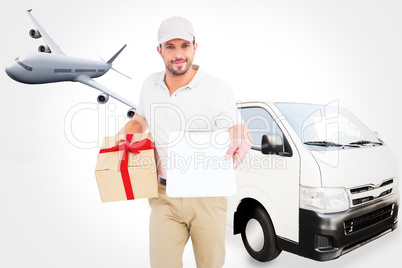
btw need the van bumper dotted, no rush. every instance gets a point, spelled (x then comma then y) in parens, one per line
(324, 237)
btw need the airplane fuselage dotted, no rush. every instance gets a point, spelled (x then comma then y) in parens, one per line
(40, 68)
(51, 65)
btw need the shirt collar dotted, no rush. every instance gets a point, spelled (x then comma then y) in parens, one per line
(197, 79)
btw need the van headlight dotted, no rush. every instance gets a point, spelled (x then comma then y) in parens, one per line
(324, 200)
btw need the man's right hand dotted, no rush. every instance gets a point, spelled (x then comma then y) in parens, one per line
(137, 124)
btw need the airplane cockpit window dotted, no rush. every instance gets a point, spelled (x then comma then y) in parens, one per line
(26, 67)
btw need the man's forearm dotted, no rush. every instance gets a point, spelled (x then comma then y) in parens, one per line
(241, 132)
(131, 127)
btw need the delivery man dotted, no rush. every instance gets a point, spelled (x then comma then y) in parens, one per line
(184, 97)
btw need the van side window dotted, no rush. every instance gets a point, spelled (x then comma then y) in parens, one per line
(260, 123)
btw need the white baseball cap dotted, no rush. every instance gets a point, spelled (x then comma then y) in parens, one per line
(175, 27)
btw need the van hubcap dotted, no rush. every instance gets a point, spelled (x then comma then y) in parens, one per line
(255, 235)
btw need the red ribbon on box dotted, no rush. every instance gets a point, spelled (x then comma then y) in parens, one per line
(136, 147)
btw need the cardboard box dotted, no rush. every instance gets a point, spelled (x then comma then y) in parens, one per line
(127, 171)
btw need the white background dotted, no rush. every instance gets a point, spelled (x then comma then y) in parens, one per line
(307, 51)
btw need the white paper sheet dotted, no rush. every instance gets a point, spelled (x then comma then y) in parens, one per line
(197, 166)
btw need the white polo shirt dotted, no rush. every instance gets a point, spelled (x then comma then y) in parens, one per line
(206, 103)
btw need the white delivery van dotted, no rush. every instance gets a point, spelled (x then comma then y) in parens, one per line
(317, 182)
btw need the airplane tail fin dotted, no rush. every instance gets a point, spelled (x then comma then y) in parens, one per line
(112, 59)
(115, 55)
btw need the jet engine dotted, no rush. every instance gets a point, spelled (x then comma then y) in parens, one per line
(102, 98)
(44, 49)
(131, 113)
(35, 34)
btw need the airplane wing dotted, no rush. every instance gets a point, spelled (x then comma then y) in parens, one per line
(92, 83)
(49, 41)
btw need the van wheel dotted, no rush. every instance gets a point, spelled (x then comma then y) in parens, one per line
(259, 236)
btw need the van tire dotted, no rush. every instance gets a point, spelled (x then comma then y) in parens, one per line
(257, 223)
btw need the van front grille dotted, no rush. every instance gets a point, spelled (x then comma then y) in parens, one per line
(368, 193)
(359, 201)
(369, 219)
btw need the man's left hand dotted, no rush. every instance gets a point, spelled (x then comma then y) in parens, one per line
(240, 144)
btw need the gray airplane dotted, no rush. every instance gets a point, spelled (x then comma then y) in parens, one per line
(52, 65)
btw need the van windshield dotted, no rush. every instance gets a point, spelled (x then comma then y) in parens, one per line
(324, 125)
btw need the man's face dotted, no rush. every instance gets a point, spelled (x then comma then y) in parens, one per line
(178, 55)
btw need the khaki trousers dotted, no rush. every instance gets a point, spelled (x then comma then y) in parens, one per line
(174, 220)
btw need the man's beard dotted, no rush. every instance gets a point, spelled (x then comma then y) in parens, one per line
(180, 71)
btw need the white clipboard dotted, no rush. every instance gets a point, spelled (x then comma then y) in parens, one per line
(197, 166)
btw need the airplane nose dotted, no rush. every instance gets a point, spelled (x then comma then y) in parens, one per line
(12, 70)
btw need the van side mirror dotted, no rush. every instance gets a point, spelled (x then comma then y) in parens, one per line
(272, 144)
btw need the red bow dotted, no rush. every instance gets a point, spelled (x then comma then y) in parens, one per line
(136, 148)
